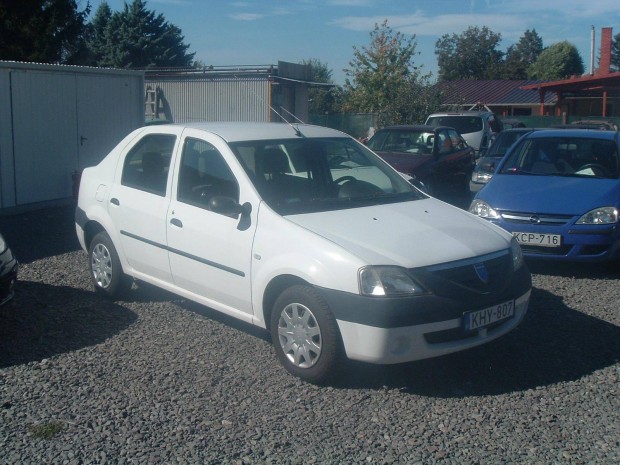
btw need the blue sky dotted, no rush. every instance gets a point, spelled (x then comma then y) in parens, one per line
(255, 32)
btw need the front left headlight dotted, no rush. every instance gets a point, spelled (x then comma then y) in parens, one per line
(390, 281)
(482, 209)
(603, 215)
(481, 177)
(517, 254)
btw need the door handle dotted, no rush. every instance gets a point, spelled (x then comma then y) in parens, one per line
(114, 201)
(176, 222)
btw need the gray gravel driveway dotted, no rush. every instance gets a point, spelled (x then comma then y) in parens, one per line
(156, 379)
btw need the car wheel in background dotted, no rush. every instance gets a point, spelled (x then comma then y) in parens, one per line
(105, 267)
(305, 334)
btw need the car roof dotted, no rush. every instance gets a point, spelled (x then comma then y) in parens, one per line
(462, 113)
(235, 131)
(413, 127)
(584, 133)
(516, 130)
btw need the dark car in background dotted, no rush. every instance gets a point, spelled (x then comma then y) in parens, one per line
(8, 271)
(602, 125)
(438, 157)
(485, 167)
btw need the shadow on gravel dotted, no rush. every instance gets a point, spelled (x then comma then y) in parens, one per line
(40, 233)
(553, 344)
(226, 320)
(43, 320)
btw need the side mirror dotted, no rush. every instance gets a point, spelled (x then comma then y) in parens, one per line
(229, 207)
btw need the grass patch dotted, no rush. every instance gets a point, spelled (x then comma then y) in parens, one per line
(46, 430)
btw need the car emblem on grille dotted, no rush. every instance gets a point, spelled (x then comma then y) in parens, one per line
(534, 219)
(482, 272)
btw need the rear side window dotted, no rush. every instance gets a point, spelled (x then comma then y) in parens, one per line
(147, 165)
(463, 124)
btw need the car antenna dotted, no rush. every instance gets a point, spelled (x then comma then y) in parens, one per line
(295, 128)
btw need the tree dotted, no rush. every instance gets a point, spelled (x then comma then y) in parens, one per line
(384, 80)
(559, 61)
(137, 38)
(522, 55)
(45, 31)
(470, 55)
(97, 33)
(615, 53)
(323, 99)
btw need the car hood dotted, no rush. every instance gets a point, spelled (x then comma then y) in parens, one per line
(405, 162)
(409, 234)
(550, 194)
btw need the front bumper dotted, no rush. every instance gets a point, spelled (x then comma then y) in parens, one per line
(8, 275)
(585, 243)
(418, 342)
(394, 330)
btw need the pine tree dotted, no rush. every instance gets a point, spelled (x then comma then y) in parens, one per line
(44, 31)
(138, 38)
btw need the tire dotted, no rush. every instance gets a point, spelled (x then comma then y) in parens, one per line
(305, 334)
(106, 271)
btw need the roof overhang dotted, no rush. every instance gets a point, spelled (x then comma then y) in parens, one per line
(583, 83)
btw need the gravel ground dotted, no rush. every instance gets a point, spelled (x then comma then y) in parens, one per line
(156, 379)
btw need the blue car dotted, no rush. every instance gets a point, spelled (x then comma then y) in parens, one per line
(558, 192)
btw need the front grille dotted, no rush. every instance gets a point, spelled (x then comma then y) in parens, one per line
(464, 274)
(534, 249)
(593, 249)
(536, 218)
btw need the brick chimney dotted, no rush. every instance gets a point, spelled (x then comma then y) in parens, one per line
(604, 64)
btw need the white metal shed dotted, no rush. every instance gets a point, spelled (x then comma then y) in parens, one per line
(56, 120)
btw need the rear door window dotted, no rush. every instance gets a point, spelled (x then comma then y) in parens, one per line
(147, 165)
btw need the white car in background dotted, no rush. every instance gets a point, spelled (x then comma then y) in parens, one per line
(303, 231)
(477, 127)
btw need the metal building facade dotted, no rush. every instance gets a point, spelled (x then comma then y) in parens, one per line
(248, 93)
(57, 120)
(186, 100)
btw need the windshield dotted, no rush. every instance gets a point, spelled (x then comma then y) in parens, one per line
(315, 174)
(463, 124)
(503, 142)
(563, 156)
(414, 142)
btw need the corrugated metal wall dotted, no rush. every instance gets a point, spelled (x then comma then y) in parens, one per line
(189, 100)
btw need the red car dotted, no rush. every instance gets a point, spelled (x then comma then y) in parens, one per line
(438, 157)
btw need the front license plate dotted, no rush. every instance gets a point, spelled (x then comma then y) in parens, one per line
(542, 240)
(490, 315)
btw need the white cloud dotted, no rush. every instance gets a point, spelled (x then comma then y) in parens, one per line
(246, 16)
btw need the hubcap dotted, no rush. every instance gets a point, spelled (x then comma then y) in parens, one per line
(101, 266)
(299, 335)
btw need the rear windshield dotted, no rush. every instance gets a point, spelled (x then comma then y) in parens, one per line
(564, 156)
(464, 124)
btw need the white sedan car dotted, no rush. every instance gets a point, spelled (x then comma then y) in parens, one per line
(305, 232)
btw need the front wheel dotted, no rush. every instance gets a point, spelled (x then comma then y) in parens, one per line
(106, 271)
(305, 334)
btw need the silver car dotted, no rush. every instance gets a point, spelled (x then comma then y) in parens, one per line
(476, 127)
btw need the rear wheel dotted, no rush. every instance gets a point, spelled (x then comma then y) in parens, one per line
(105, 267)
(305, 334)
